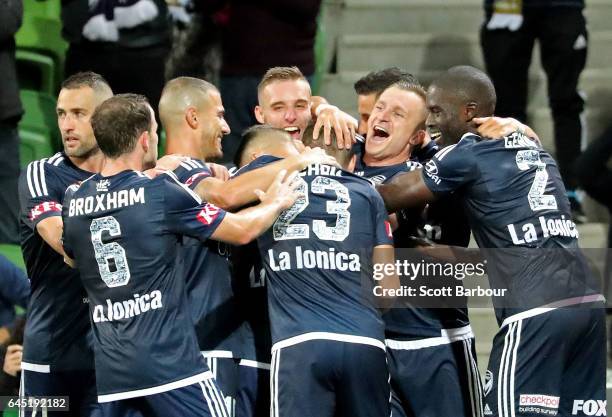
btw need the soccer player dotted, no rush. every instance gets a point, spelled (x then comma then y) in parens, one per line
(286, 102)
(545, 358)
(370, 86)
(122, 228)
(435, 343)
(57, 356)
(192, 115)
(328, 354)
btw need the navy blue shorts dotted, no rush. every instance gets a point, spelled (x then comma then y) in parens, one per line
(435, 377)
(202, 399)
(253, 393)
(329, 378)
(78, 386)
(552, 363)
(225, 372)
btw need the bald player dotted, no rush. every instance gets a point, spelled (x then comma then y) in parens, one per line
(192, 115)
(547, 358)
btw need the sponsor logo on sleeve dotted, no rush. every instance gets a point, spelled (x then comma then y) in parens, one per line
(208, 214)
(194, 177)
(43, 208)
(431, 170)
(431, 167)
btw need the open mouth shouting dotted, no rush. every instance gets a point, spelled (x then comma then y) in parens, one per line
(294, 132)
(380, 134)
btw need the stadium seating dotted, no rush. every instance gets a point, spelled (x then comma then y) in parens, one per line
(40, 33)
(36, 71)
(427, 36)
(34, 145)
(40, 116)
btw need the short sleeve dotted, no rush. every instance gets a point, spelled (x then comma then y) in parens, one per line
(191, 172)
(66, 219)
(186, 214)
(450, 169)
(40, 193)
(382, 228)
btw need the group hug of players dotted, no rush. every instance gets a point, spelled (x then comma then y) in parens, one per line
(168, 288)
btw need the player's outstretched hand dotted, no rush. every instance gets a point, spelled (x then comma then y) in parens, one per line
(220, 172)
(282, 192)
(317, 156)
(331, 117)
(12, 359)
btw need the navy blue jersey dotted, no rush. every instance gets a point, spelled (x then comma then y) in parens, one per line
(407, 219)
(382, 174)
(206, 268)
(443, 221)
(57, 333)
(250, 280)
(408, 323)
(425, 153)
(514, 198)
(314, 252)
(123, 232)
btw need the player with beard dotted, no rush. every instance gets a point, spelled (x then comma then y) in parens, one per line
(192, 115)
(545, 358)
(57, 355)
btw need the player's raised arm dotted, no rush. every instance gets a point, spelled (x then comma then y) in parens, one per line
(405, 190)
(238, 191)
(246, 225)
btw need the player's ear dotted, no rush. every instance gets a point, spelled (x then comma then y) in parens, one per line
(470, 110)
(143, 140)
(418, 138)
(259, 114)
(191, 117)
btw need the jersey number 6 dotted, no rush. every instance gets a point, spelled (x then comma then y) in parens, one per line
(112, 263)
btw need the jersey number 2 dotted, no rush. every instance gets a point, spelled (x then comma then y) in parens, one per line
(110, 257)
(284, 229)
(530, 158)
